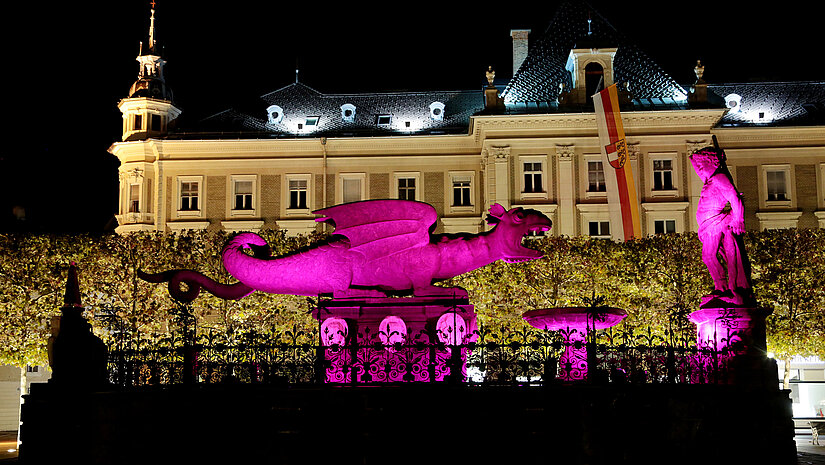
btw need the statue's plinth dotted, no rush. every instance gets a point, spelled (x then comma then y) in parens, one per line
(737, 336)
(387, 340)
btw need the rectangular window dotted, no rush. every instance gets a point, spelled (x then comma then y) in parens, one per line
(595, 177)
(532, 177)
(134, 198)
(662, 175)
(189, 196)
(138, 123)
(155, 122)
(243, 195)
(298, 193)
(383, 120)
(406, 188)
(351, 189)
(462, 190)
(312, 121)
(777, 185)
(664, 226)
(599, 228)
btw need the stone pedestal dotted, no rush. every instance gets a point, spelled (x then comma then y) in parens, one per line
(388, 340)
(736, 336)
(741, 330)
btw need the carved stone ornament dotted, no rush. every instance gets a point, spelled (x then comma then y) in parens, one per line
(565, 151)
(500, 154)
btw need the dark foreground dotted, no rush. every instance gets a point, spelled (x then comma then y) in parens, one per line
(440, 424)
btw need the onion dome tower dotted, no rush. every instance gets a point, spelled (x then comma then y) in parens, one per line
(149, 110)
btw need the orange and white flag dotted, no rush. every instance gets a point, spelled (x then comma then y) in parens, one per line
(625, 222)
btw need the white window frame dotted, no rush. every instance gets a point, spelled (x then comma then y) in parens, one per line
(276, 109)
(197, 213)
(134, 127)
(789, 186)
(344, 117)
(588, 194)
(383, 125)
(674, 174)
(593, 212)
(129, 187)
(312, 122)
(664, 222)
(437, 115)
(600, 223)
(453, 176)
(339, 189)
(397, 176)
(664, 211)
(287, 194)
(236, 213)
(522, 159)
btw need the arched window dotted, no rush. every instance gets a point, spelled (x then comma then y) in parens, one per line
(593, 79)
(348, 112)
(274, 114)
(437, 111)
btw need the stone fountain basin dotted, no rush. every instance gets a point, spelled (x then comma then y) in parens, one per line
(554, 319)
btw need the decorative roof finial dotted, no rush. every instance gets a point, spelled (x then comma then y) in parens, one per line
(152, 29)
(491, 76)
(589, 20)
(699, 69)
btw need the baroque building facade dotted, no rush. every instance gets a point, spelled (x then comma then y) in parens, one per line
(274, 159)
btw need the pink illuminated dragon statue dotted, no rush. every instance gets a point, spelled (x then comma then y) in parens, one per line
(378, 247)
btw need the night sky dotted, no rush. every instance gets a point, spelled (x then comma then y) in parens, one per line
(70, 64)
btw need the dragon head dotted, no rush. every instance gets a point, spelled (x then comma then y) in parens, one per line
(512, 226)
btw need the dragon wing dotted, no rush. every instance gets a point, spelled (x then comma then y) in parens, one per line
(376, 228)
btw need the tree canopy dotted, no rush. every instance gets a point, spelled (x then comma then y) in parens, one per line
(658, 280)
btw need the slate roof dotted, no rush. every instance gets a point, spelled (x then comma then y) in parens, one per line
(779, 103)
(533, 89)
(410, 112)
(538, 78)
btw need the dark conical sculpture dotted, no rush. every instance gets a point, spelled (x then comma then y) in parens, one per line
(78, 357)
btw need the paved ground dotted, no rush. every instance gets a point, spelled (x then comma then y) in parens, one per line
(807, 453)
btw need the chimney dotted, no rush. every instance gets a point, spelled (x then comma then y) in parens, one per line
(520, 47)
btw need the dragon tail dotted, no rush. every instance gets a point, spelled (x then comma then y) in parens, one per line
(194, 282)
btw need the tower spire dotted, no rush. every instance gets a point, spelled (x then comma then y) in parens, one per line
(152, 29)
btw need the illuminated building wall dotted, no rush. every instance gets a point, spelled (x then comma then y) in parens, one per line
(270, 161)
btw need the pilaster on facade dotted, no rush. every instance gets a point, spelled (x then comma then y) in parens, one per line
(497, 174)
(566, 214)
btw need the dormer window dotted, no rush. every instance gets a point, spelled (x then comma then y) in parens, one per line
(733, 102)
(437, 111)
(383, 120)
(348, 113)
(274, 114)
(312, 122)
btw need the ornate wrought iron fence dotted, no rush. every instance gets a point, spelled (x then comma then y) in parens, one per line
(530, 356)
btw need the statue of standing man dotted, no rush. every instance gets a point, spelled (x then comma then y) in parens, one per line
(721, 218)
